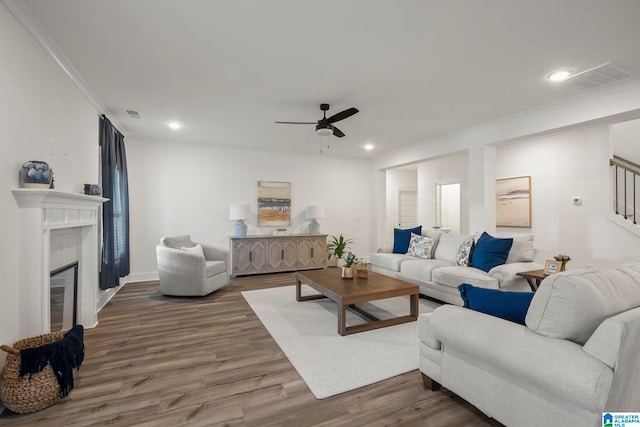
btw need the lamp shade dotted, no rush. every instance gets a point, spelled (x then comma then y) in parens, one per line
(314, 212)
(239, 212)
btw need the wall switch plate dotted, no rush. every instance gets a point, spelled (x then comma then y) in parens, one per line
(576, 200)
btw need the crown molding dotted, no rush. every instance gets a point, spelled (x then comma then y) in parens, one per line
(30, 23)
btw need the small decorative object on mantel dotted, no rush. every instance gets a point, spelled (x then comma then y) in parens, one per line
(564, 259)
(35, 174)
(92, 190)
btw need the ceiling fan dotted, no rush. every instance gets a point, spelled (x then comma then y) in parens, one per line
(324, 126)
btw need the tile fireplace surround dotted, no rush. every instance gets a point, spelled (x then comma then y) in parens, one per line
(44, 214)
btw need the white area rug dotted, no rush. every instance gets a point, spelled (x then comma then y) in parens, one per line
(307, 332)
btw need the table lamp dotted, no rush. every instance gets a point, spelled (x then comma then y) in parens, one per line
(314, 212)
(240, 213)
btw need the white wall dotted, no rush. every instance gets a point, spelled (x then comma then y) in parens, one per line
(625, 140)
(42, 117)
(561, 166)
(444, 170)
(183, 188)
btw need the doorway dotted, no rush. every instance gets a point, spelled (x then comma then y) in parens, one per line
(407, 208)
(448, 207)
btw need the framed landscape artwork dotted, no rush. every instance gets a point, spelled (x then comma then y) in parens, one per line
(274, 204)
(513, 202)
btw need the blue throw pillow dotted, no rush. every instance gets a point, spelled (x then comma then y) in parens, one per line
(506, 305)
(490, 252)
(402, 237)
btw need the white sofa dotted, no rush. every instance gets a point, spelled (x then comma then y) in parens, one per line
(576, 357)
(440, 276)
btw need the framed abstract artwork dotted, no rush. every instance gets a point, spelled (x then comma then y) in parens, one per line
(513, 202)
(274, 204)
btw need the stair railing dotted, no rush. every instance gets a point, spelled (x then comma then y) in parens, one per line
(626, 174)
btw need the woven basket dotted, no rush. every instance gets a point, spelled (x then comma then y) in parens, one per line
(31, 392)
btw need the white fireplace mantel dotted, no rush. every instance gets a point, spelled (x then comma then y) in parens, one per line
(42, 211)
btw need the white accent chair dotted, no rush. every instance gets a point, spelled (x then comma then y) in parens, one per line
(184, 270)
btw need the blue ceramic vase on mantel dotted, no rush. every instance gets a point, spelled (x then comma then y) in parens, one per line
(35, 174)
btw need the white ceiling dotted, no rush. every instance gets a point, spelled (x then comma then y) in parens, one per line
(416, 69)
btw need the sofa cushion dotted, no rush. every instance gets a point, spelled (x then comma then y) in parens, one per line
(401, 238)
(421, 269)
(177, 242)
(571, 305)
(456, 275)
(389, 261)
(448, 245)
(490, 252)
(420, 246)
(215, 267)
(506, 305)
(522, 248)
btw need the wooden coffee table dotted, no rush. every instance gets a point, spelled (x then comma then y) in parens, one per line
(349, 292)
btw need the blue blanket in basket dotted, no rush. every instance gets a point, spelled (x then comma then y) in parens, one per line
(64, 355)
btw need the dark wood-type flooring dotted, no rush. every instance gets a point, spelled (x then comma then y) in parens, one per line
(166, 361)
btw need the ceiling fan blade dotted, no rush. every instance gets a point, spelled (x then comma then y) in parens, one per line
(337, 132)
(342, 115)
(298, 123)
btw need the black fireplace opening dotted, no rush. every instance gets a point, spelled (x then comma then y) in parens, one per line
(63, 297)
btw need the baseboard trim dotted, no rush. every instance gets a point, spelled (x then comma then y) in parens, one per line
(140, 277)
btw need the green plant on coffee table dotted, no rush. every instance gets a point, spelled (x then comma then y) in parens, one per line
(337, 246)
(351, 259)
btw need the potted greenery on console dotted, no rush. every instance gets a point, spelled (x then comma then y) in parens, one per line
(336, 248)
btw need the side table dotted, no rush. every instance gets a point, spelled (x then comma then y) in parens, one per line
(534, 277)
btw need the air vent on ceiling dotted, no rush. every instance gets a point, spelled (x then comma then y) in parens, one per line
(599, 76)
(133, 114)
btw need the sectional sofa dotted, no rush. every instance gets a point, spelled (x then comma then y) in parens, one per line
(440, 276)
(575, 358)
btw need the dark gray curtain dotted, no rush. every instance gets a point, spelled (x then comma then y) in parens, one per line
(115, 212)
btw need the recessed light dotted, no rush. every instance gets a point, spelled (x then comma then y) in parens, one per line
(174, 125)
(559, 75)
(368, 147)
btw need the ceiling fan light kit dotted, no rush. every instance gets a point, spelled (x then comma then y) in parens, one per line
(324, 131)
(324, 126)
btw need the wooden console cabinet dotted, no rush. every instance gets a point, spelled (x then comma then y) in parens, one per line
(269, 254)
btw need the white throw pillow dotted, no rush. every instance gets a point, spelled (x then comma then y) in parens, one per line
(420, 246)
(197, 249)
